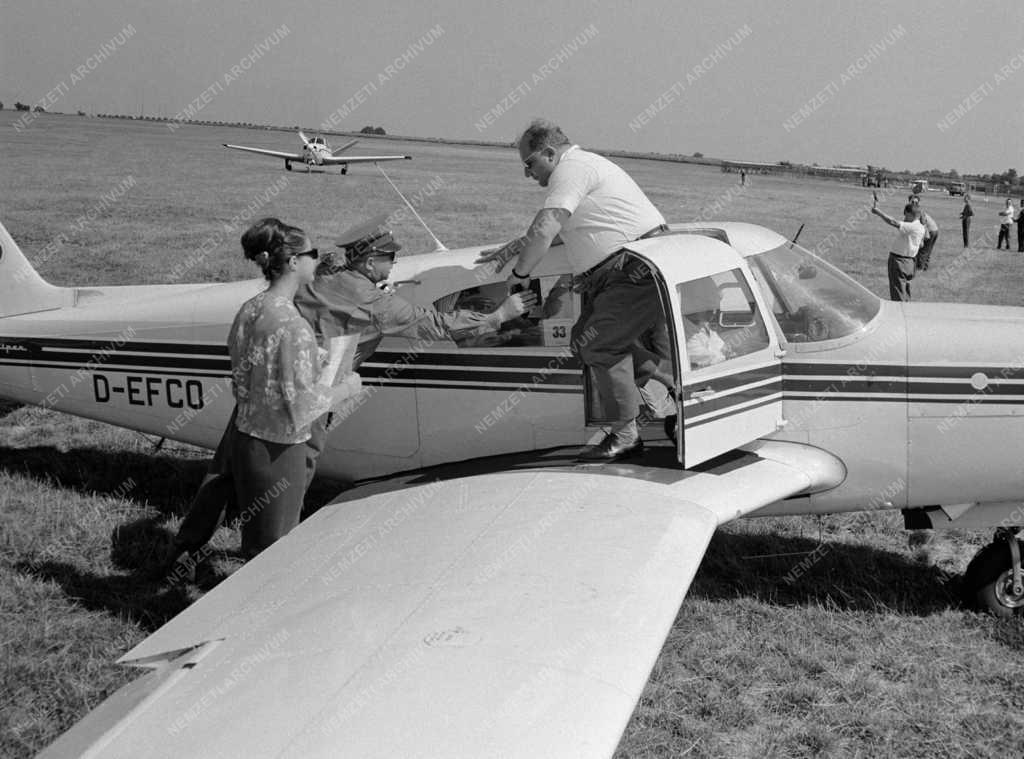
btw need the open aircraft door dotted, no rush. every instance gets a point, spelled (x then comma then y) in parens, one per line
(728, 361)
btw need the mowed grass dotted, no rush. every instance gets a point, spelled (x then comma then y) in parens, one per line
(865, 653)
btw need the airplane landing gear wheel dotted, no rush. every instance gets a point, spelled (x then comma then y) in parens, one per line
(344, 169)
(988, 581)
(288, 165)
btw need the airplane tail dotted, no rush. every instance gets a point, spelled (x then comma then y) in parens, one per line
(22, 290)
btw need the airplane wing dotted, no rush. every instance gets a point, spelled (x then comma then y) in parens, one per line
(515, 614)
(344, 147)
(336, 160)
(262, 151)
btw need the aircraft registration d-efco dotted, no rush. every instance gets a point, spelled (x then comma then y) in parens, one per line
(486, 595)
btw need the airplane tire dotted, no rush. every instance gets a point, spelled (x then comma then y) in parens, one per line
(288, 165)
(988, 582)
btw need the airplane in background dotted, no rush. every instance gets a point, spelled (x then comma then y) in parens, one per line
(478, 592)
(316, 152)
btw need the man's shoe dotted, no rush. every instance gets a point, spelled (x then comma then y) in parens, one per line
(610, 449)
(670, 426)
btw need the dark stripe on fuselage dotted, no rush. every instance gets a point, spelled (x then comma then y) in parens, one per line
(556, 360)
(845, 385)
(411, 372)
(733, 399)
(737, 379)
(816, 369)
(691, 425)
(110, 359)
(413, 385)
(547, 372)
(114, 344)
(108, 368)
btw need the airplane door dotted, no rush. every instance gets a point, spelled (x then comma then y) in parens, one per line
(727, 359)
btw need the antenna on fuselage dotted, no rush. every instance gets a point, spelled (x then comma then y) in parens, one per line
(796, 237)
(438, 245)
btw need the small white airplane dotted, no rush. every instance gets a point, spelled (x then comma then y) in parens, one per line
(316, 152)
(486, 595)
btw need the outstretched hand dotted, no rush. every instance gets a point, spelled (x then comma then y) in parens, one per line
(517, 304)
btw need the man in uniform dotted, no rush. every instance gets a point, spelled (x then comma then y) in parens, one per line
(345, 298)
(596, 209)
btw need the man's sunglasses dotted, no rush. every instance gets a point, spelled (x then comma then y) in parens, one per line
(312, 253)
(528, 161)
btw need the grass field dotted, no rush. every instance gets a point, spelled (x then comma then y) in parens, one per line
(867, 653)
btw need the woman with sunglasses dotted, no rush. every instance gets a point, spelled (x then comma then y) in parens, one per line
(277, 387)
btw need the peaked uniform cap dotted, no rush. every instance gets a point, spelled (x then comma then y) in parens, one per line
(368, 237)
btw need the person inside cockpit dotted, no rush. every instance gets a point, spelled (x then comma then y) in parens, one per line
(701, 300)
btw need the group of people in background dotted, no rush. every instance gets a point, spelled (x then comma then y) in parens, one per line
(917, 234)
(1008, 216)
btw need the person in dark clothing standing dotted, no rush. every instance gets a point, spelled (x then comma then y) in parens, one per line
(1020, 227)
(965, 220)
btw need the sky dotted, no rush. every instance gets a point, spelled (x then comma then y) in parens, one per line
(912, 85)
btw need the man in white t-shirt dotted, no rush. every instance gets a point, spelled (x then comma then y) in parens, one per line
(1005, 220)
(595, 209)
(906, 244)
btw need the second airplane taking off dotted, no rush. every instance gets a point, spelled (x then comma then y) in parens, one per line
(316, 152)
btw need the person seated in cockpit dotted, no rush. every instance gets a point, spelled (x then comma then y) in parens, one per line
(701, 300)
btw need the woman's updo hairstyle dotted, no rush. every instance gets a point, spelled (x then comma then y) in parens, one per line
(270, 243)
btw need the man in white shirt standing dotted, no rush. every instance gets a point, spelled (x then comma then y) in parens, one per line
(1005, 220)
(906, 244)
(596, 209)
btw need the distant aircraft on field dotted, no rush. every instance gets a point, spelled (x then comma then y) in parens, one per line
(316, 152)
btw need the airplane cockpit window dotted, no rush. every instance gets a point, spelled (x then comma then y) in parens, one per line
(721, 320)
(549, 323)
(811, 299)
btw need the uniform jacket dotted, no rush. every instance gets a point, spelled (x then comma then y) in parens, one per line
(344, 302)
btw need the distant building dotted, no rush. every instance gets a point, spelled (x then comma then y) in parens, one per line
(751, 167)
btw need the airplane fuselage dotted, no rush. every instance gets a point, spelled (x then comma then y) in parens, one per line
(908, 402)
(314, 154)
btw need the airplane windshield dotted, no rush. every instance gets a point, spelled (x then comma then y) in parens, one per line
(811, 299)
